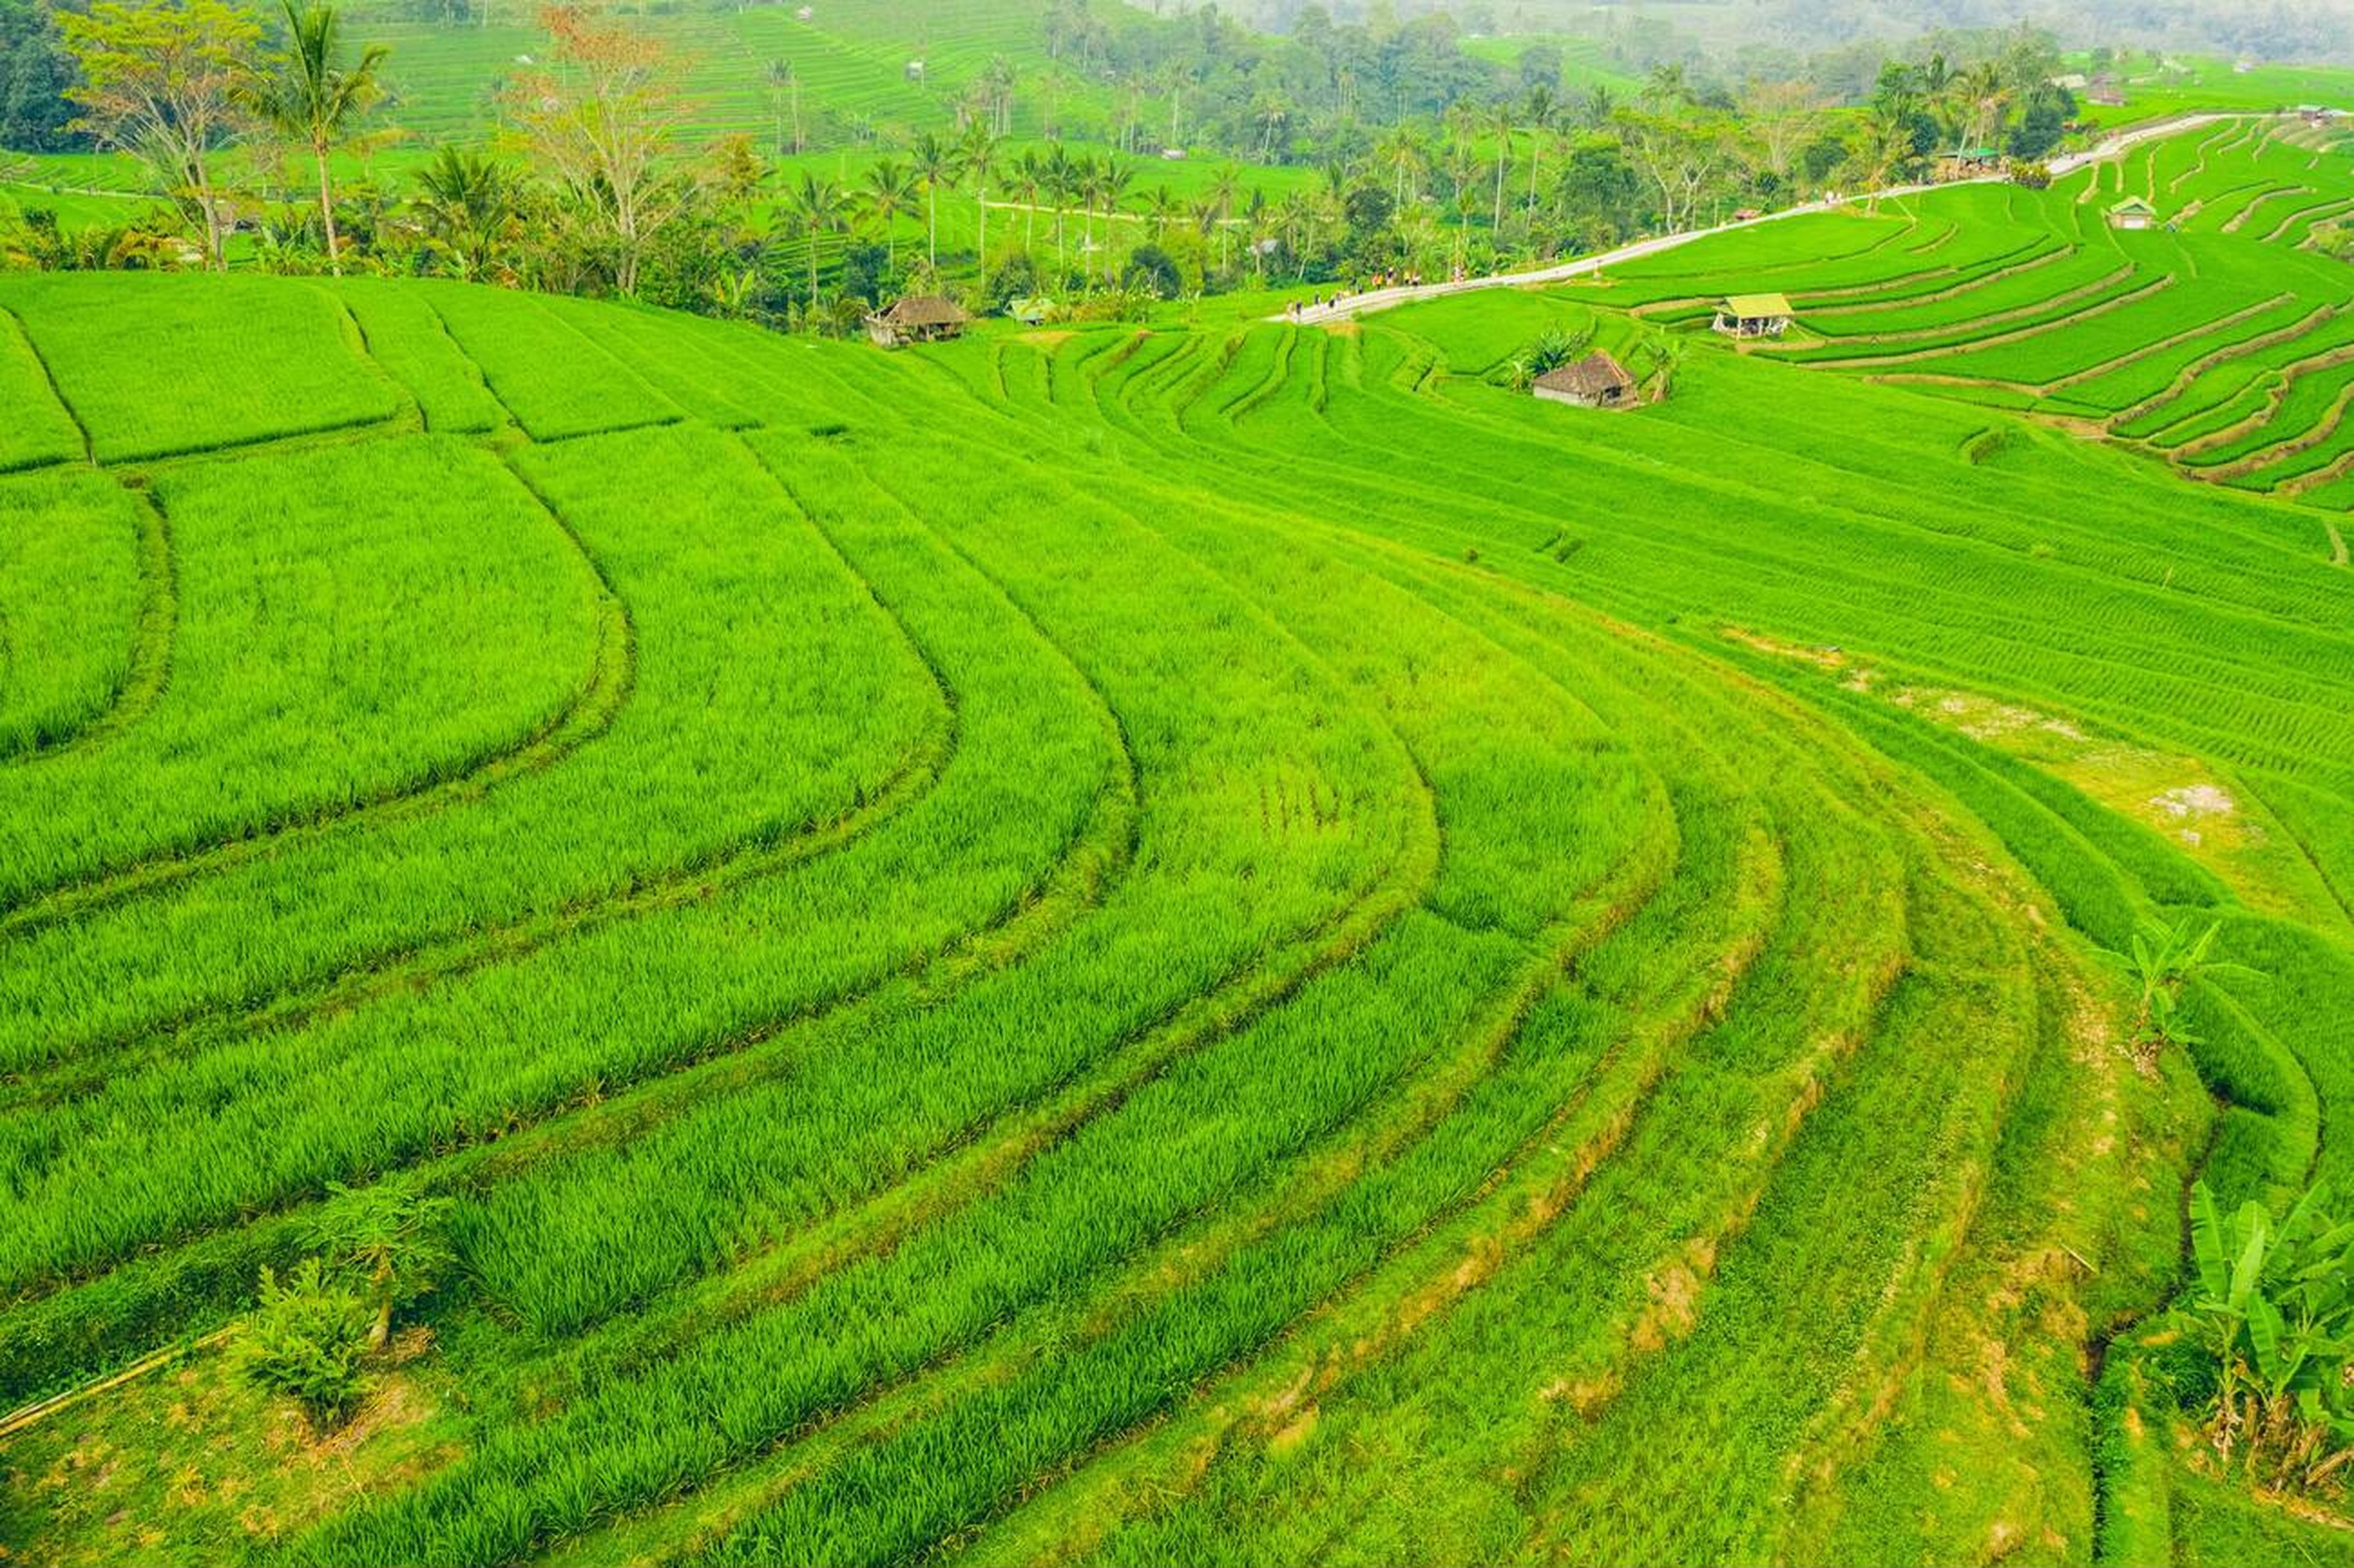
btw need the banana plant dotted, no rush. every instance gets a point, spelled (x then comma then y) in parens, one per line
(2274, 1301)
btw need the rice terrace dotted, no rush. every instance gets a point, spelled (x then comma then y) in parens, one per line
(1043, 781)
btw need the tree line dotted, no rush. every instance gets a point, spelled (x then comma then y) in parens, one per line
(593, 185)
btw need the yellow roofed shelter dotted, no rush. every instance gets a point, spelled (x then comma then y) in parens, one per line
(1754, 315)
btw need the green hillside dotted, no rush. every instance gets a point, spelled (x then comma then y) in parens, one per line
(1163, 945)
(851, 58)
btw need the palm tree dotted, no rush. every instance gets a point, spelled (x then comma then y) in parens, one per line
(468, 200)
(1887, 146)
(1400, 152)
(1062, 174)
(1539, 110)
(1502, 121)
(935, 165)
(1225, 186)
(976, 159)
(1162, 207)
(1088, 179)
(817, 207)
(312, 98)
(1028, 178)
(1983, 99)
(890, 195)
(1271, 113)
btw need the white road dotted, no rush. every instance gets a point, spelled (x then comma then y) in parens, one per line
(1585, 266)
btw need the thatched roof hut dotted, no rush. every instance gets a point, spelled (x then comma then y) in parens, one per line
(917, 317)
(1597, 381)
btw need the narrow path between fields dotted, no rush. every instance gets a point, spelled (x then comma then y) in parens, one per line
(1585, 266)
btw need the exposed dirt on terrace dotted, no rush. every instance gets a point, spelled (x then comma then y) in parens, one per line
(2179, 796)
(197, 1455)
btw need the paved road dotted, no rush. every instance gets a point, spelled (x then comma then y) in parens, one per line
(1585, 265)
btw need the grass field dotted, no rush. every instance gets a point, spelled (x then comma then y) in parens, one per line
(1175, 944)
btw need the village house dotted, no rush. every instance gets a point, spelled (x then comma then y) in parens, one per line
(1597, 381)
(917, 317)
(2133, 213)
(1754, 315)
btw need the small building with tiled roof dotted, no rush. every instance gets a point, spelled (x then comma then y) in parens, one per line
(2133, 213)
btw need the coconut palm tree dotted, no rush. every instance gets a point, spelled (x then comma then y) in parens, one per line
(311, 97)
(1028, 178)
(1540, 112)
(976, 159)
(889, 195)
(467, 200)
(1400, 152)
(935, 165)
(1887, 148)
(1062, 184)
(815, 207)
(1162, 207)
(1503, 120)
(1225, 186)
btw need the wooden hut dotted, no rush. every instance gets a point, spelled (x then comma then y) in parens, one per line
(1754, 315)
(1597, 381)
(917, 317)
(2133, 213)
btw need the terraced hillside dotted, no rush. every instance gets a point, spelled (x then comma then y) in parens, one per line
(850, 59)
(2218, 340)
(1134, 946)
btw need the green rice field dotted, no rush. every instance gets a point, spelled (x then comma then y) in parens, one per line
(1181, 944)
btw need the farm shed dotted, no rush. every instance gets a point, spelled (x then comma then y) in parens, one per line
(2132, 213)
(1597, 381)
(917, 317)
(1968, 164)
(1754, 315)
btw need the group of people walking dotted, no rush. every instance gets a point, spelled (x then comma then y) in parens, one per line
(1387, 278)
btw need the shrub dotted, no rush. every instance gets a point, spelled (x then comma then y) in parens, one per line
(1552, 349)
(306, 1340)
(390, 1236)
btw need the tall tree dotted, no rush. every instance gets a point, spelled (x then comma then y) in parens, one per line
(785, 94)
(976, 158)
(1503, 120)
(814, 209)
(936, 164)
(1678, 154)
(309, 96)
(1028, 179)
(160, 79)
(601, 120)
(1540, 111)
(1225, 186)
(890, 195)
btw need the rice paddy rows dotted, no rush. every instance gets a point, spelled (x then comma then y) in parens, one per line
(1136, 944)
(2200, 339)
